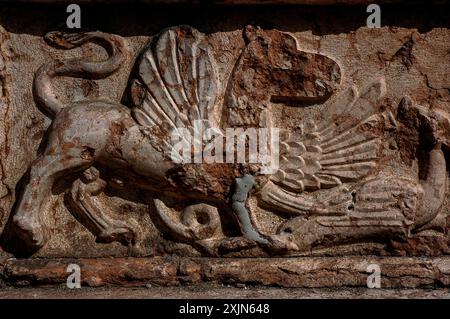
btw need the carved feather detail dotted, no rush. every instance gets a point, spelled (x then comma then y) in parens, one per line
(344, 150)
(177, 82)
(386, 202)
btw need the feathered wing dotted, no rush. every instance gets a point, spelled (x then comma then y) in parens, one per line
(346, 149)
(177, 82)
(380, 202)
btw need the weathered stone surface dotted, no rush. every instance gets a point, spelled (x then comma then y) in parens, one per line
(211, 291)
(358, 161)
(285, 272)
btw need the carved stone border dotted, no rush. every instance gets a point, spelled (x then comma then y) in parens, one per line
(396, 272)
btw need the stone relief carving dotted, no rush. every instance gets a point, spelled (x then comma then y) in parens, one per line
(330, 187)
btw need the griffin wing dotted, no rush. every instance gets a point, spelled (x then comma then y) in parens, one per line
(177, 82)
(344, 150)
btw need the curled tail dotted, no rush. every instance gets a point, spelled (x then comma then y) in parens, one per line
(434, 187)
(44, 95)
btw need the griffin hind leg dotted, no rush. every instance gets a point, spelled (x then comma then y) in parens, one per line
(243, 185)
(273, 243)
(81, 199)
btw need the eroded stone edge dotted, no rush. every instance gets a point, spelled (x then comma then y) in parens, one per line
(396, 272)
(5, 105)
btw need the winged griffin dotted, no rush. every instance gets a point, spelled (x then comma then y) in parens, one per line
(327, 184)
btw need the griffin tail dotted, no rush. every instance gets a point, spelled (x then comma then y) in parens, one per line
(44, 94)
